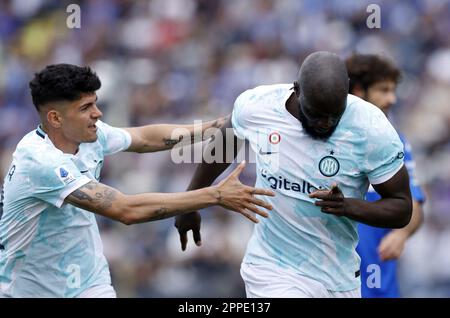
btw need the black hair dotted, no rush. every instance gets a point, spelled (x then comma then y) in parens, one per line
(368, 69)
(61, 82)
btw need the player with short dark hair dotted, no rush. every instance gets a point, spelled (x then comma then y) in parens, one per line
(374, 78)
(50, 244)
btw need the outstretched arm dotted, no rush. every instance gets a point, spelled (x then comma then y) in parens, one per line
(153, 138)
(130, 209)
(393, 210)
(204, 176)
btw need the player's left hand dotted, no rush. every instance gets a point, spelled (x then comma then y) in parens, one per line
(392, 245)
(332, 200)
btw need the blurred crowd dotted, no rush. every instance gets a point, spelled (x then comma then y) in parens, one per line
(176, 61)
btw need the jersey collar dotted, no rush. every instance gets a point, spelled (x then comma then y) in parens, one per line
(40, 132)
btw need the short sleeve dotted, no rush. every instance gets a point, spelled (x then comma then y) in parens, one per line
(54, 180)
(384, 152)
(240, 118)
(112, 139)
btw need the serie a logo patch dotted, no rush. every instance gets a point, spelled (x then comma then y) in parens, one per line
(64, 175)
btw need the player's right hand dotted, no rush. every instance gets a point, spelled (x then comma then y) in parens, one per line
(186, 222)
(235, 196)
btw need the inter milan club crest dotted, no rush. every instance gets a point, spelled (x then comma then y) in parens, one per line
(329, 165)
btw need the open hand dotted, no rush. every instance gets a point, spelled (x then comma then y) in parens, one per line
(235, 196)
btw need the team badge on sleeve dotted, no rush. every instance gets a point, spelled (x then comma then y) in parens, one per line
(64, 175)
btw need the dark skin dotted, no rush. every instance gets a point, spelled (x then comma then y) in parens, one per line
(318, 120)
(393, 210)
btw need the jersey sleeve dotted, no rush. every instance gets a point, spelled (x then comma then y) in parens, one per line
(384, 150)
(416, 191)
(241, 118)
(53, 180)
(112, 139)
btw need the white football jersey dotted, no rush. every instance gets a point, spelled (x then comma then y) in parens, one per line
(364, 149)
(49, 248)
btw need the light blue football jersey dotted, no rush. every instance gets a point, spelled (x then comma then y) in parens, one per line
(364, 149)
(50, 248)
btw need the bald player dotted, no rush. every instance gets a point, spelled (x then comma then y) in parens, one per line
(319, 148)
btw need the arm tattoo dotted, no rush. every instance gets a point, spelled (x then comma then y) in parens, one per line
(102, 198)
(161, 213)
(172, 142)
(218, 123)
(105, 198)
(80, 195)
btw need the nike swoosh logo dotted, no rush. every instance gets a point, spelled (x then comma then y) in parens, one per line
(266, 152)
(84, 171)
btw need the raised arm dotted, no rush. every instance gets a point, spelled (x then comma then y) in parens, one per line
(393, 210)
(129, 209)
(153, 138)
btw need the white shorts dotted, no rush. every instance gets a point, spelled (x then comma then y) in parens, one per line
(263, 281)
(99, 291)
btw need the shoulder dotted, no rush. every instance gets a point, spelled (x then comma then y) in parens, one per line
(261, 101)
(105, 131)
(111, 139)
(264, 92)
(34, 151)
(367, 118)
(102, 128)
(37, 149)
(363, 109)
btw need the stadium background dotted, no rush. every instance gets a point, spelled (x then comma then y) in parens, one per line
(176, 61)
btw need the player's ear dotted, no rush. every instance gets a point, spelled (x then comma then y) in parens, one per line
(54, 118)
(358, 90)
(297, 88)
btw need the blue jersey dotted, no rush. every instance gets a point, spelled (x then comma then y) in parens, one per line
(297, 235)
(370, 238)
(50, 248)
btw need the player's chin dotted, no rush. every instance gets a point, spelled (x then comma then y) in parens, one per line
(324, 133)
(92, 137)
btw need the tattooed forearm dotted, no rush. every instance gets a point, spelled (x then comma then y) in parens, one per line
(197, 134)
(172, 142)
(159, 214)
(163, 213)
(105, 198)
(99, 196)
(80, 195)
